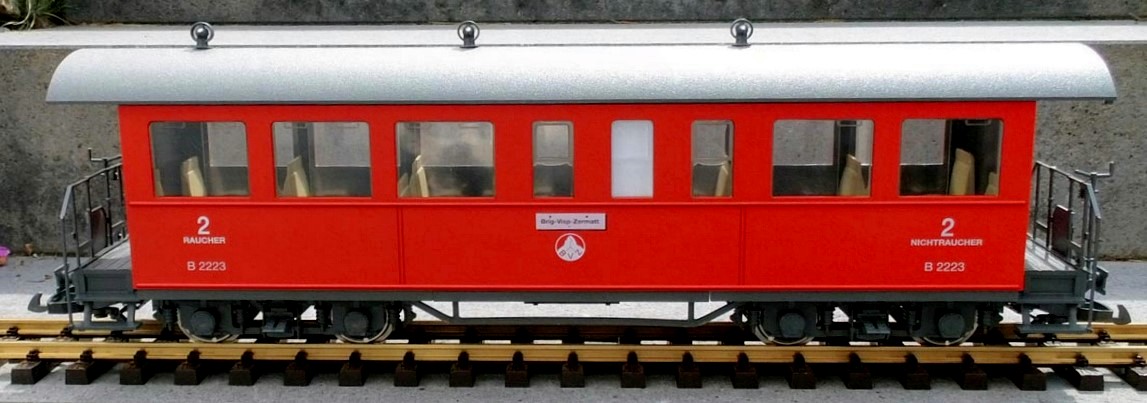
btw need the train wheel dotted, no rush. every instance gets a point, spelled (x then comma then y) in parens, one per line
(780, 341)
(202, 326)
(358, 328)
(794, 322)
(953, 330)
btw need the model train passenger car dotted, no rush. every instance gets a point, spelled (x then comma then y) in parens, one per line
(361, 182)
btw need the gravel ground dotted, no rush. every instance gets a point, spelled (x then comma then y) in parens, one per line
(23, 277)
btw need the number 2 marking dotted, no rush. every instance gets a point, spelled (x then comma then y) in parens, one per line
(948, 224)
(203, 222)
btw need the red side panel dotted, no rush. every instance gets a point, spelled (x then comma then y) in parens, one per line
(944, 246)
(499, 248)
(270, 246)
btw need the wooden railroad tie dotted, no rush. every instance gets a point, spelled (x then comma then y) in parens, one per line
(970, 376)
(632, 373)
(191, 371)
(517, 372)
(137, 371)
(745, 374)
(298, 372)
(31, 370)
(406, 373)
(462, 372)
(915, 377)
(1082, 375)
(573, 373)
(244, 372)
(353, 373)
(800, 375)
(1135, 376)
(86, 370)
(1027, 377)
(688, 373)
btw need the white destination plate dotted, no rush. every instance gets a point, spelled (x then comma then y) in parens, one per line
(568, 221)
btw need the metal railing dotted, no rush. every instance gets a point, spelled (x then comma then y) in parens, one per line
(1066, 220)
(92, 220)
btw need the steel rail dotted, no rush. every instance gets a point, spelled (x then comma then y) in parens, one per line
(1135, 332)
(54, 327)
(435, 330)
(1110, 355)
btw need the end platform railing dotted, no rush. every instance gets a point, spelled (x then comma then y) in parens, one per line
(93, 220)
(1066, 220)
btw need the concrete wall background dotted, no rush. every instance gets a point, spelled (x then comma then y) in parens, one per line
(1085, 135)
(43, 147)
(421, 11)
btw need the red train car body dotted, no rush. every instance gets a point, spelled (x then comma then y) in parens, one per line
(672, 241)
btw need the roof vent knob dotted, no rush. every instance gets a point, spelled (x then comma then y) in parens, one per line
(468, 32)
(741, 29)
(202, 33)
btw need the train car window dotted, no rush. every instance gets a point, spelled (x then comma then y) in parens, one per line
(445, 159)
(196, 159)
(632, 158)
(553, 159)
(822, 157)
(956, 157)
(316, 159)
(713, 158)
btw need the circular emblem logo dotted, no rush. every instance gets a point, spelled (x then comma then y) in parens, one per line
(570, 247)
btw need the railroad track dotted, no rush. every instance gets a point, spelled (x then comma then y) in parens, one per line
(1074, 357)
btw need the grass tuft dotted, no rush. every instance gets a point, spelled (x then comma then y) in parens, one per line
(30, 14)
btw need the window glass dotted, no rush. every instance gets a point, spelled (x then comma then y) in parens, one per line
(196, 159)
(445, 159)
(553, 159)
(227, 144)
(954, 157)
(822, 157)
(632, 158)
(922, 142)
(322, 159)
(713, 158)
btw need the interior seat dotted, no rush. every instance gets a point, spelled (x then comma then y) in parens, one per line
(852, 179)
(414, 184)
(418, 186)
(963, 181)
(296, 184)
(724, 186)
(993, 188)
(192, 178)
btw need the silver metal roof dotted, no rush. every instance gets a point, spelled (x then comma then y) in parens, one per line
(692, 33)
(583, 74)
